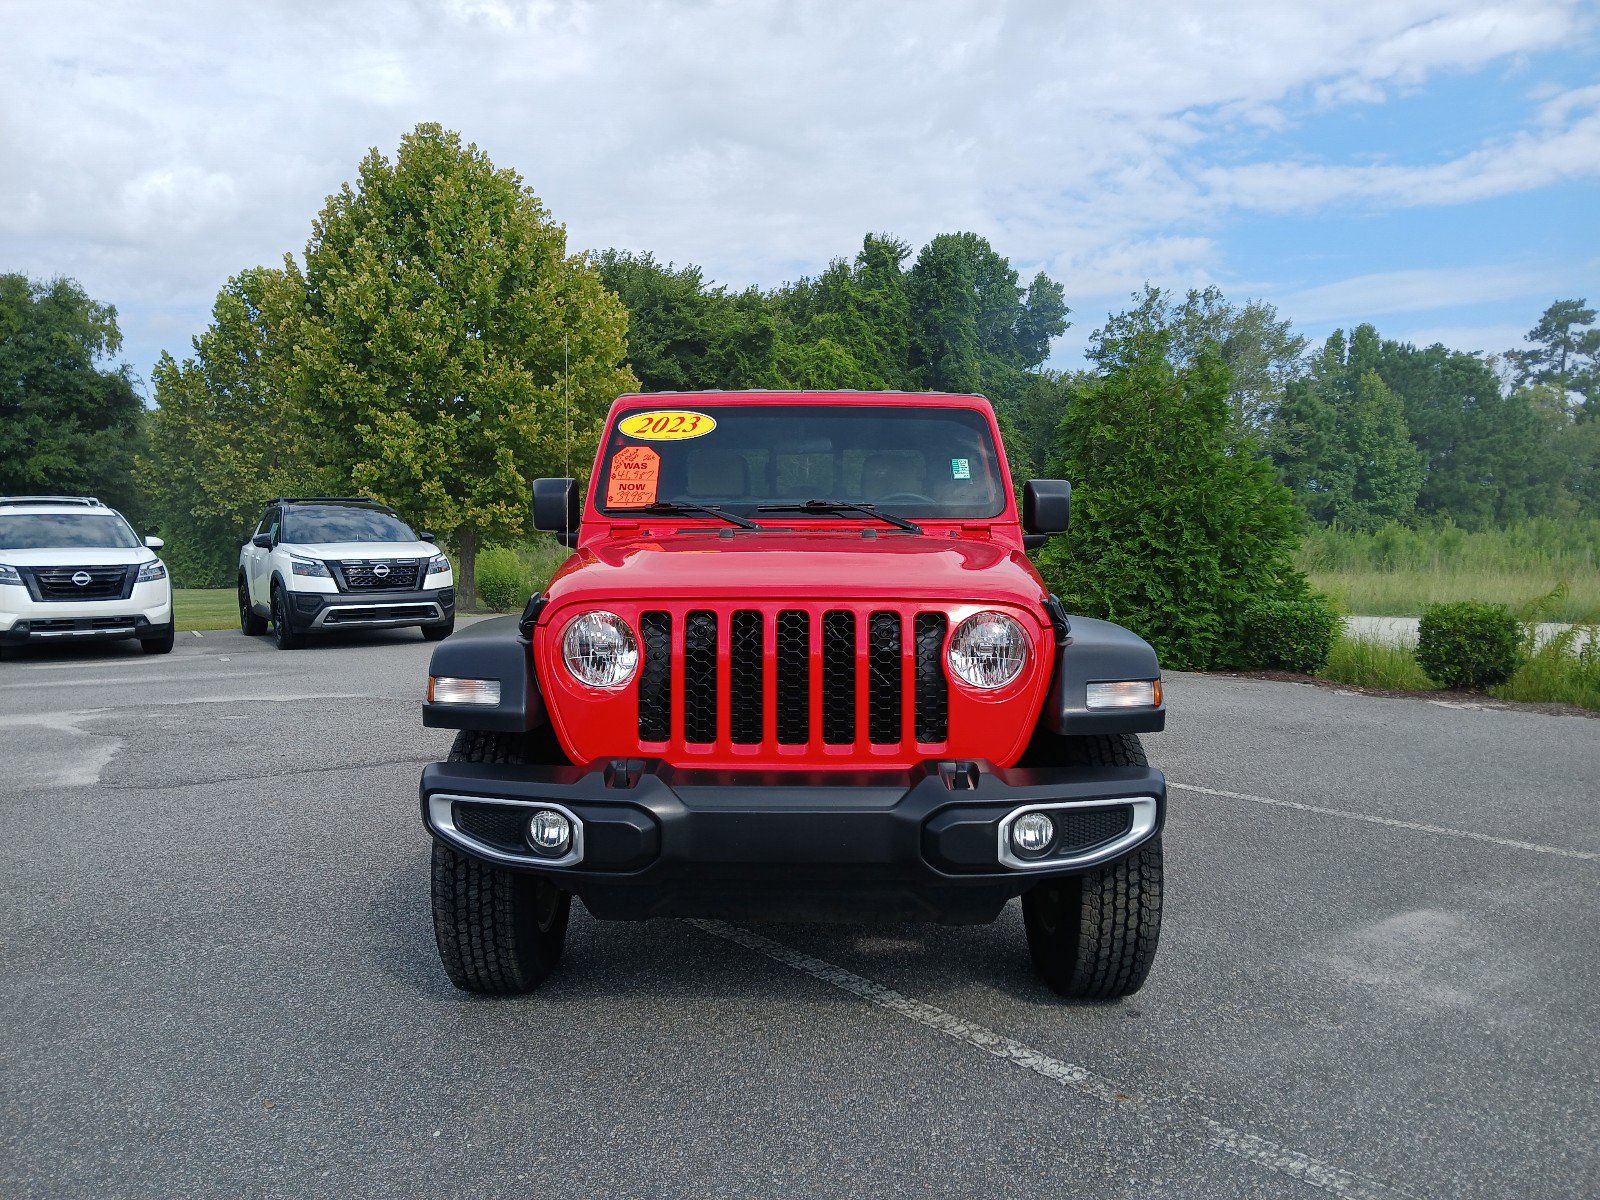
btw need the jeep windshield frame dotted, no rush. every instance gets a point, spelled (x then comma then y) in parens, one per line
(919, 461)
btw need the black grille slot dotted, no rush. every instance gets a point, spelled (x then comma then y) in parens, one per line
(933, 689)
(745, 677)
(372, 576)
(884, 676)
(655, 677)
(794, 677)
(700, 677)
(838, 677)
(500, 825)
(103, 583)
(1086, 828)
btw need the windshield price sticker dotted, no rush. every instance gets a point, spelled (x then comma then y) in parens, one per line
(666, 425)
(634, 471)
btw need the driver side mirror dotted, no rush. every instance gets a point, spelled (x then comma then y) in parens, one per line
(264, 540)
(154, 542)
(427, 537)
(1046, 509)
(556, 509)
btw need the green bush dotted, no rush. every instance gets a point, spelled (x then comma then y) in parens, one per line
(1469, 644)
(504, 581)
(1289, 635)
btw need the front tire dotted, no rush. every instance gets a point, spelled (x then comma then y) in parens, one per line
(438, 633)
(283, 633)
(1093, 936)
(251, 624)
(159, 645)
(500, 932)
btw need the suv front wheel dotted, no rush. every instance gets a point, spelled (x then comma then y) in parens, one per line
(283, 633)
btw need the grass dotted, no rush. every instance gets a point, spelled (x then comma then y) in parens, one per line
(1362, 662)
(1556, 674)
(205, 608)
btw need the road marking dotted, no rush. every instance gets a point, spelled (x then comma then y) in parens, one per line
(196, 632)
(141, 679)
(134, 660)
(1444, 830)
(1167, 1113)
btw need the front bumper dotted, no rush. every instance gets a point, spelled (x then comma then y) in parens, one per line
(375, 610)
(923, 844)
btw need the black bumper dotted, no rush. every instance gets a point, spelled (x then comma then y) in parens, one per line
(66, 630)
(924, 844)
(370, 610)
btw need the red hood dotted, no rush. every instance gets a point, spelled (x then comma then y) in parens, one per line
(810, 565)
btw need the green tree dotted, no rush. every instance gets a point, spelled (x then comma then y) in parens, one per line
(1178, 523)
(450, 350)
(850, 326)
(1565, 354)
(1340, 439)
(226, 435)
(70, 422)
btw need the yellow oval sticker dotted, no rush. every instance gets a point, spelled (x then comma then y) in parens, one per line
(666, 425)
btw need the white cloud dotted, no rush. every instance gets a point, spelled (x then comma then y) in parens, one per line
(151, 151)
(1365, 296)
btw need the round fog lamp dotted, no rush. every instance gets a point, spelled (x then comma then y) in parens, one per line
(549, 832)
(1031, 834)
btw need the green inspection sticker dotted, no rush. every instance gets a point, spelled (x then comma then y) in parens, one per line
(960, 468)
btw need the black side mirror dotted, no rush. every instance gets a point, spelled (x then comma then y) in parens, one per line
(264, 540)
(1046, 509)
(427, 537)
(556, 508)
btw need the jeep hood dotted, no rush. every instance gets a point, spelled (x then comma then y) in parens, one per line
(819, 565)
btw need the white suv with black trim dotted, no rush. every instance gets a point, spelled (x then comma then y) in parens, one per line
(73, 570)
(341, 562)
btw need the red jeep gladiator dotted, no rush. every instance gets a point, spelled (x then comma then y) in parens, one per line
(799, 667)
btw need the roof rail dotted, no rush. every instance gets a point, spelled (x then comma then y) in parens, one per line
(322, 500)
(86, 501)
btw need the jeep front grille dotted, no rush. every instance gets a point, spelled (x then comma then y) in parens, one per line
(747, 676)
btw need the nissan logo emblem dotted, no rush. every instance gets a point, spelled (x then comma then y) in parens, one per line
(381, 571)
(81, 579)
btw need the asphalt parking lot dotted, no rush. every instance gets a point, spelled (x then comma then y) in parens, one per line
(1378, 973)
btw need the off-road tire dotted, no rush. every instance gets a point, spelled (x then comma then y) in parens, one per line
(283, 633)
(438, 633)
(1093, 936)
(500, 932)
(251, 623)
(159, 645)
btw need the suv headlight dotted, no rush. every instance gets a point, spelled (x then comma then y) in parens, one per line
(438, 565)
(152, 570)
(311, 567)
(10, 575)
(599, 649)
(988, 650)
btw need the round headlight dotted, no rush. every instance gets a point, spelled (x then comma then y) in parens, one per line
(599, 649)
(988, 650)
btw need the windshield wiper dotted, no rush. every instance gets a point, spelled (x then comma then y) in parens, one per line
(843, 506)
(686, 508)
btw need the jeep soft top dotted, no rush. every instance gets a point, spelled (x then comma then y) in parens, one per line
(799, 666)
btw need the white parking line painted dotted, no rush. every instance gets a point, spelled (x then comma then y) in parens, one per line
(1166, 1113)
(141, 679)
(1418, 826)
(117, 664)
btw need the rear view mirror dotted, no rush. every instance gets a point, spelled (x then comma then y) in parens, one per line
(1046, 509)
(264, 540)
(555, 508)
(427, 537)
(154, 542)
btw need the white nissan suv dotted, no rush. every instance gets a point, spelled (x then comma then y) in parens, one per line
(73, 570)
(341, 562)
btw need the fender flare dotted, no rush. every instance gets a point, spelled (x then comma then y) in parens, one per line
(1090, 650)
(494, 649)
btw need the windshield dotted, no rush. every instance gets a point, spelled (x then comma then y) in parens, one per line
(914, 462)
(75, 531)
(314, 523)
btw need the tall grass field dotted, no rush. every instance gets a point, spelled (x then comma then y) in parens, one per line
(1396, 571)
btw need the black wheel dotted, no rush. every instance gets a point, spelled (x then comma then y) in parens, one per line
(500, 932)
(1093, 936)
(438, 633)
(251, 624)
(159, 645)
(282, 632)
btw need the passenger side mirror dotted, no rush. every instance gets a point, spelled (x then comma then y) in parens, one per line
(556, 508)
(427, 537)
(154, 542)
(264, 540)
(1046, 509)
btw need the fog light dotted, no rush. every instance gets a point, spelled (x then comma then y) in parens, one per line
(549, 832)
(1032, 833)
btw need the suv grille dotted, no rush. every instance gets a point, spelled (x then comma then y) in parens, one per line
(377, 575)
(859, 659)
(103, 583)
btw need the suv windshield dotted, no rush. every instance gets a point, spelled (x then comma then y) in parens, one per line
(313, 523)
(68, 531)
(913, 462)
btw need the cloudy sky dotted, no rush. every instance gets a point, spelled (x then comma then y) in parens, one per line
(1432, 167)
